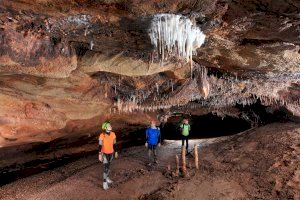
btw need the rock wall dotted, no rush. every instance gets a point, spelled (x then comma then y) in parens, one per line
(67, 66)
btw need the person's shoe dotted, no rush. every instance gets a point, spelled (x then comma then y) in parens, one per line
(105, 186)
(109, 181)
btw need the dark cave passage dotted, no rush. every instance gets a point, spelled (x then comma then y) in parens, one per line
(205, 126)
(48, 156)
(210, 125)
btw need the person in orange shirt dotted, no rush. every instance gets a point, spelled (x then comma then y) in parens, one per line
(107, 147)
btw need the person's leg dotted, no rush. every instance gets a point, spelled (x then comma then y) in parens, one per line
(187, 143)
(154, 153)
(182, 139)
(105, 171)
(109, 159)
(149, 152)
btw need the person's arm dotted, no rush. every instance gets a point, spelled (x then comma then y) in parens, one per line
(100, 145)
(115, 145)
(146, 143)
(116, 148)
(147, 135)
(159, 137)
(100, 157)
(181, 126)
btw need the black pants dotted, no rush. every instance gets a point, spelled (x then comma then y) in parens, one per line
(107, 158)
(186, 139)
(152, 149)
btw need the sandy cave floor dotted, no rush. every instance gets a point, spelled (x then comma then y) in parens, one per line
(261, 163)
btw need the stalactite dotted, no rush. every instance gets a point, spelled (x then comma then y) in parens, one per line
(91, 45)
(204, 82)
(85, 31)
(175, 35)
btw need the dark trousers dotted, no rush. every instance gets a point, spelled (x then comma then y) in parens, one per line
(152, 150)
(107, 158)
(186, 139)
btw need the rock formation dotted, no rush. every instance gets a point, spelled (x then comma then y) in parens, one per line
(67, 66)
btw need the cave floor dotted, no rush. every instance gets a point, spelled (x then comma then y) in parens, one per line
(261, 163)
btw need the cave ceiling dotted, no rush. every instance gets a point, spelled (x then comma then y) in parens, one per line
(67, 65)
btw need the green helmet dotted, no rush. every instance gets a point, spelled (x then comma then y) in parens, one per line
(105, 124)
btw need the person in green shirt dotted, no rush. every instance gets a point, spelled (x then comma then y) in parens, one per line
(185, 132)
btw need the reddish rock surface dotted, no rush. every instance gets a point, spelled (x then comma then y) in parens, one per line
(66, 67)
(257, 164)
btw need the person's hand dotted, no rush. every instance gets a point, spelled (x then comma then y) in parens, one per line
(146, 144)
(100, 157)
(116, 155)
(159, 145)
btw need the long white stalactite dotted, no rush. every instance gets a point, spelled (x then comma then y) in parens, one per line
(175, 35)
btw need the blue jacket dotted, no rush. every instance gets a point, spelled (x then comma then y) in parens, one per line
(153, 136)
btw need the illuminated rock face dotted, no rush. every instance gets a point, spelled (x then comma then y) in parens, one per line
(66, 67)
(175, 35)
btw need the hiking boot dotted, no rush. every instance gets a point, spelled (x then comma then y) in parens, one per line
(108, 180)
(105, 186)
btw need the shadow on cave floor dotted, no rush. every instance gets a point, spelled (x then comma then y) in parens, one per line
(133, 176)
(36, 158)
(21, 161)
(241, 166)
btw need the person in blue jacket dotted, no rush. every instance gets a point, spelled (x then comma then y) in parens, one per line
(152, 141)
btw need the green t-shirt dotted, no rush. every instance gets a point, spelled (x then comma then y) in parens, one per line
(185, 129)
